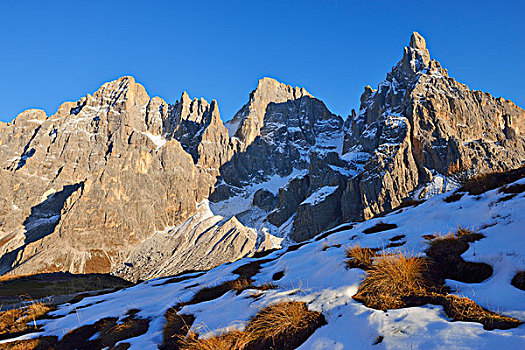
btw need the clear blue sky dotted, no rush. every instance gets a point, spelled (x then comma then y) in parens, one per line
(53, 52)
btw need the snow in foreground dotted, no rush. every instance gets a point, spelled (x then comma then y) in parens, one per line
(318, 275)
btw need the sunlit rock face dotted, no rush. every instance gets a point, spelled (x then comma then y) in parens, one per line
(118, 177)
(420, 122)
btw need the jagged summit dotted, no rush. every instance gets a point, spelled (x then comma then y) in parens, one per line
(420, 123)
(417, 41)
(248, 121)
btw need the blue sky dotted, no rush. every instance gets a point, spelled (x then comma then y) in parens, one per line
(53, 52)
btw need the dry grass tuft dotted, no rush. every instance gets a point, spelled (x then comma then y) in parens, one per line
(241, 284)
(16, 322)
(284, 325)
(176, 327)
(393, 280)
(360, 257)
(464, 309)
(398, 281)
(234, 340)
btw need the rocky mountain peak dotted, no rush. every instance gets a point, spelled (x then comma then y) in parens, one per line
(416, 126)
(248, 121)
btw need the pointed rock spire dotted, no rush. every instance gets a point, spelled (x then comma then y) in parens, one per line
(417, 41)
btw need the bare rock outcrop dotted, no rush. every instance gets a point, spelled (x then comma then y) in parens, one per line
(201, 242)
(87, 184)
(420, 122)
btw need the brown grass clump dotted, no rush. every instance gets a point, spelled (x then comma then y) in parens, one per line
(379, 227)
(241, 284)
(464, 309)
(360, 257)
(398, 281)
(233, 340)
(393, 281)
(16, 322)
(518, 280)
(42, 343)
(485, 182)
(284, 325)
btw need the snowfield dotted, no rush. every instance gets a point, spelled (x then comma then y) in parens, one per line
(317, 274)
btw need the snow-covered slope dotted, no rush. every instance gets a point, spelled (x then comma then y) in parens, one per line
(315, 272)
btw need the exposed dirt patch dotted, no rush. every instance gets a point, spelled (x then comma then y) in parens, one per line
(397, 238)
(176, 326)
(409, 202)
(513, 189)
(446, 253)
(456, 196)
(250, 269)
(42, 343)
(182, 277)
(506, 198)
(335, 230)
(380, 227)
(278, 275)
(55, 284)
(518, 280)
(395, 244)
(109, 332)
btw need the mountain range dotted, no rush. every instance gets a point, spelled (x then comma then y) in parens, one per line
(120, 182)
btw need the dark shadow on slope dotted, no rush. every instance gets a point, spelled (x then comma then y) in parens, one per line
(40, 223)
(45, 216)
(27, 153)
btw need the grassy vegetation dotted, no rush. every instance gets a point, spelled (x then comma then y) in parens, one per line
(393, 280)
(16, 322)
(284, 325)
(482, 183)
(176, 327)
(399, 281)
(360, 257)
